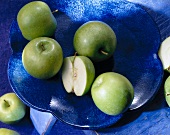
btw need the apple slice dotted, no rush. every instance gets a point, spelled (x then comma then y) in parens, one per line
(78, 73)
(164, 54)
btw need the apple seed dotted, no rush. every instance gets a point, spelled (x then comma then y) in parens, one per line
(75, 75)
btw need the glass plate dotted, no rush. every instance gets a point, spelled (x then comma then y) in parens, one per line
(138, 41)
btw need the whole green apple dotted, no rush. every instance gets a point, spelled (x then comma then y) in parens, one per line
(42, 57)
(12, 109)
(96, 40)
(167, 90)
(112, 93)
(5, 131)
(35, 19)
(78, 74)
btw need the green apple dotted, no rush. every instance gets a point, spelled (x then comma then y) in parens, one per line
(167, 90)
(96, 40)
(112, 93)
(42, 57)
(78, 74)
(35, 19)
(164, 54)
(5, 131)
(12, 109)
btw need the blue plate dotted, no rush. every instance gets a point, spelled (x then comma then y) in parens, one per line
(135, 57)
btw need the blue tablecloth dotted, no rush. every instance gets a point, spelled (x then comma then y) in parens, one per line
(151, 120)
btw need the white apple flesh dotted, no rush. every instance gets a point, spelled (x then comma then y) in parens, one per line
(78, 73)
(164, 54)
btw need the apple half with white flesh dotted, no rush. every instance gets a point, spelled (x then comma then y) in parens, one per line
(164, 54)
(78, 74)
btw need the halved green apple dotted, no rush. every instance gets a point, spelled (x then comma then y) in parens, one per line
(78, 74)
(164, 54)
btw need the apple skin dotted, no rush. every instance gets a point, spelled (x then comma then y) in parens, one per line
(35, 19)
(5, 131)
(94, 37)
(12, 109)
(42, 57)
(78, 73)
(167, 90)
(112, 93)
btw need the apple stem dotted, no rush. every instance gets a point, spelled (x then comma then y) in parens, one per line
(168, 94)
(103, 52)
(43, 48)
(74, 74)
(55, 11)
(75, 54)
(7, 104)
